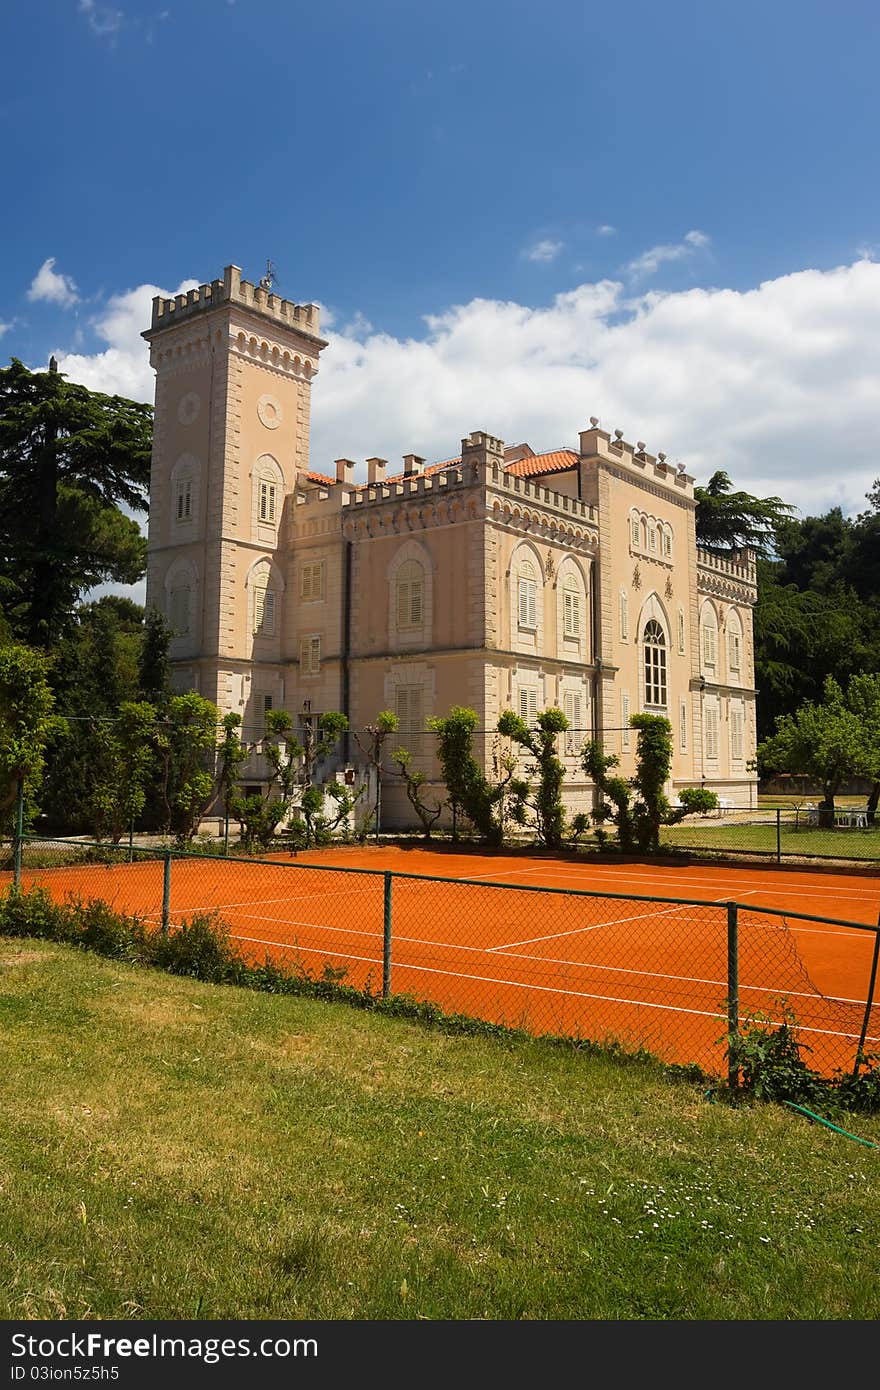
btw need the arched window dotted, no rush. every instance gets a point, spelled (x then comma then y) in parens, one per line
(667, 543)
(634, 530)
(184, 491)
(179, 607)
(655, 664)
(527, 597)
(268, 496)
(410, 595)
(571, 606)
(709, 629)
(265, 607)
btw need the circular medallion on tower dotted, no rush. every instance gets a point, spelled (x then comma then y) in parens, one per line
(269, 411)
(188, 407)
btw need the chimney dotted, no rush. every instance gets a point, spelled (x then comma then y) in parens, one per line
(376, 470)
(412, 463)
(344, 471)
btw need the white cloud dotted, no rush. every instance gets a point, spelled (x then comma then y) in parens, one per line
(543, 251)
(5, 327)
(51, 287)
(606, 229)
(650, 261)
(102, 20)
(775, 385)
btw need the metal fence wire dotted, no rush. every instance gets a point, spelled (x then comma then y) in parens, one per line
(670, 976)
(797, 832)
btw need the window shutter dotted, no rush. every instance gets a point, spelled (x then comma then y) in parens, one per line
(178, 610)
(680, 631)
(624, 713)
(403, 602)
(268, 624)
(634, 530)
(624, 616)
(682, 725)
(415, 603)
(533, 706)
(305, 588)
(733, 650)
(259, 606)
(524, 704)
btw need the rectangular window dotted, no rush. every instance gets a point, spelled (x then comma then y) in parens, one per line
(571, 615)
(267, 703)
(624, 719)
(575, 734)
(264, 611)
(652, 538)
(680, 631)
(310, 656)
(267, 502)
(624, 617)
(709, 644)
(682, 725)
(528, 604)
(733, 648)
(311, 581)
(634, 531)
(710, 719)
(528, 705)
(667, 544)
(736, 732)
(409, 706)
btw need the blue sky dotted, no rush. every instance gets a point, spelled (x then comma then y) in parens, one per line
(515, 215)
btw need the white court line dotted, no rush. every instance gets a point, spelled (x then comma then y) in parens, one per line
(288, 946)
(619, 875)
(595, 926)
(264, 902)
(605, 998)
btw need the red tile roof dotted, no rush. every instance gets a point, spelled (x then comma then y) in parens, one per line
(532, 465)
(554, 462)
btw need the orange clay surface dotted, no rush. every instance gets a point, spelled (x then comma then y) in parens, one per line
(649, 974)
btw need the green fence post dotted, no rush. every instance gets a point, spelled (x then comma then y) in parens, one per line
(19, 834)
(732, 993)
(778, 835)
(870, 1001)
(386, 939)
(166, 892)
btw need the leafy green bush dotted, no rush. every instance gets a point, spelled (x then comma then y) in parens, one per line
(201, 948)
(32, 913)
(768, 1057)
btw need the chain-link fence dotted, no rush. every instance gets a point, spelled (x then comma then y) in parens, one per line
(670, 976)
(807, 831)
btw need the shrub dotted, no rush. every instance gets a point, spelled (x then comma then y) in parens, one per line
(200, 948)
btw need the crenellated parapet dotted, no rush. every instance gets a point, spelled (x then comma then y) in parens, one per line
(732, 575)
(304, 319)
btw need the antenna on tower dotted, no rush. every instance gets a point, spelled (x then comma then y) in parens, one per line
(270, 279)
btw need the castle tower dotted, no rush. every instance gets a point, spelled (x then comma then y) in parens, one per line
(234, 365)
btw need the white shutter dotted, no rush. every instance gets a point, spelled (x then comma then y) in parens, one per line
(533, 706)
(682, 725)
(624, 718)
(624, 616)
(709, 643)
(571, 613)
(736, 732)
(733, 650)
(524, 704)
(680, 631)
(403, 603)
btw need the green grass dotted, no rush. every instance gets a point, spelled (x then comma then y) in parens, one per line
(172, 1149)
(803, 842)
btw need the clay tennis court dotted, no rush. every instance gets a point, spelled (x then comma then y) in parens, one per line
(637, 953)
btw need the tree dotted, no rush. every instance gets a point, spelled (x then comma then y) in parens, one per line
(823, 741)
(863, 698)
(94, 670)
(27, 722)
(545, 802)
(154, 666)
(414, 781)
(728, 520)
(480, 800)
(639, 805)
(69, 458)
(371, 741)
(185, 737)
(124, 750)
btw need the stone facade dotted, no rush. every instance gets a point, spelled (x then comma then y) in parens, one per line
(501, 578)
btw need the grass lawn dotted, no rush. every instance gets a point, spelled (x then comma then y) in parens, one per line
(173, 1150)
(804, 842)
